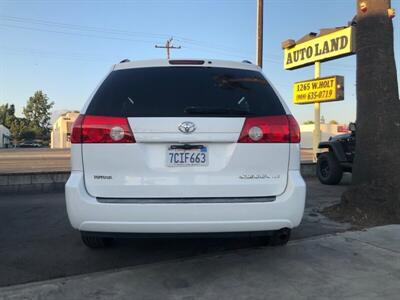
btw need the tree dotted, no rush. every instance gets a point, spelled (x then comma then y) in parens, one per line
(37, 113)
(375, 186)
(17, 128)
(28, 134)
(7, 114)
(333, 122)
(308, 122)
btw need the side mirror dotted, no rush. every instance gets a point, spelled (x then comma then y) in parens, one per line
(352, 127)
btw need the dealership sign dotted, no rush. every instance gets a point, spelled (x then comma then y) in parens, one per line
(319, 90)
(321, 48)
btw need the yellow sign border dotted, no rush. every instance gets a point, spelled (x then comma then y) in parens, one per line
(326, 47)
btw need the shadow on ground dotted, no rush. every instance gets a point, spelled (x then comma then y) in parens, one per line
(37, 242)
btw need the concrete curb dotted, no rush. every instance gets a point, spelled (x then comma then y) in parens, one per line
(33, 182)
(45, 182)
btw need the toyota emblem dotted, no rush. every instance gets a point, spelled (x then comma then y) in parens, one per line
(187, 127)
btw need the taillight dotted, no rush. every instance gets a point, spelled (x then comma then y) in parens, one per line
(101, 129)
(294, 130)
(270, 129)
(76, 135)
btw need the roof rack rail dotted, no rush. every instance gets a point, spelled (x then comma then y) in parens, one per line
(124, 61)
(247, 62)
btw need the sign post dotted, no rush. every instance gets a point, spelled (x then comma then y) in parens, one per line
(315, 91)
(317, 116)
(331, 43)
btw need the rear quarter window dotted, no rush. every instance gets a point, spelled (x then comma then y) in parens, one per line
(183, 91)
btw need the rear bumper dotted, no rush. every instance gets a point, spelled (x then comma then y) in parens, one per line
(86, 213)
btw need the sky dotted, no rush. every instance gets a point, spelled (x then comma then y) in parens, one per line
(65, 48)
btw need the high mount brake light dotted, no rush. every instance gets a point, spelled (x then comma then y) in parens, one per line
(186, 62)
(101, 129)
(270, 129)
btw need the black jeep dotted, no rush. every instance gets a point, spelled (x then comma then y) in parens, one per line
(339, 157)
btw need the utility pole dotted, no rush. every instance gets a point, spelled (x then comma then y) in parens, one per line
(259, 44)
(168, 45)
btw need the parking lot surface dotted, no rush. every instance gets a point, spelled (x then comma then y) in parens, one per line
(37, 242)
(351, 265)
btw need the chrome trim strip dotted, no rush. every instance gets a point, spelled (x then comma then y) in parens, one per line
(186, 200)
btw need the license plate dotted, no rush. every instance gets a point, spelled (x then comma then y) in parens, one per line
(177, 157)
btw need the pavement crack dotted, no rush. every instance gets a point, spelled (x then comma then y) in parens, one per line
(373, 245)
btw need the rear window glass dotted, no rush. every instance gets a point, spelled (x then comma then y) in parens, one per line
(184, 91)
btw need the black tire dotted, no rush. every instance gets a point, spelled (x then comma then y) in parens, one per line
(280, 237)
(95, 242)
(329, 170)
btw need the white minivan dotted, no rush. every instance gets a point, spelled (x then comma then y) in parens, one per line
(185, 147)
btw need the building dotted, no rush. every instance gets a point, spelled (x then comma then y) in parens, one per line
(61, 130)
(327, 130)
(5, 137)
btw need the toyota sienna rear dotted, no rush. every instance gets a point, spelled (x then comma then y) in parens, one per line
(184, 146)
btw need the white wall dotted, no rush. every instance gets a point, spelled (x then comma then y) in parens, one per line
(4, 137)
(327, 130)
(61, 130)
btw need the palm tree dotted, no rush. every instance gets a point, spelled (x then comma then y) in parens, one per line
(376, 170)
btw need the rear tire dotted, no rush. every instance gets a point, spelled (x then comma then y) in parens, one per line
(329, 170)
(95, 242)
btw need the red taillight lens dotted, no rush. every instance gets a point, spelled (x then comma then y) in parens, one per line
(270, 129)
(294, 130)
(100, 129)
(76, 135)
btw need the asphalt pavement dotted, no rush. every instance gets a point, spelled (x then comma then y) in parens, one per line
(353, 265)
(25, 160)
(37, 242)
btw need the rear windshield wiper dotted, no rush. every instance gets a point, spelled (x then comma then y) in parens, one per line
(216, 111)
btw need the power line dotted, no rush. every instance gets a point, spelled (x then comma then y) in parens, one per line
(32, 52)
(70, 26)
(277, 60)
(124, 35)
(74, 33)
(102, 30)
(208, 49)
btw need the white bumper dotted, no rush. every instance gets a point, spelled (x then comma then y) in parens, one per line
(87, 214)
